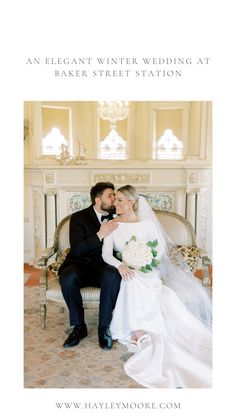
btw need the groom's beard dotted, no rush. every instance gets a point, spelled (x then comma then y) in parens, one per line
(110, 209)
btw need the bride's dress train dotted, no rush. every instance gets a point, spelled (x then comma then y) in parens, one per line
(176, 350)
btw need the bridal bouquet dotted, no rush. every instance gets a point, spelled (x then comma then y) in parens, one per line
(139, 255)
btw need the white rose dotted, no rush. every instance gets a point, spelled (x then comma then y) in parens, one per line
(137, 254)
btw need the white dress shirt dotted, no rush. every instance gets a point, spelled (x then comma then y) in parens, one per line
(99, 215)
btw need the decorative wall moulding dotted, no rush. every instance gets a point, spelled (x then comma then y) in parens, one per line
(77, 201)
(124, 164)
(50, 191)
(53, 194)
(193, 177)
(165, 201)
(124, 178)
(49, 177)
(37, 222)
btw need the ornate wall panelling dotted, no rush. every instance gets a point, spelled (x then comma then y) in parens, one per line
(54, 190)
(123, 178)
(58, 191)
(50, 205)
(161, 200)
(77, 201)
(50, 219)
(38, 220)
(198, 205)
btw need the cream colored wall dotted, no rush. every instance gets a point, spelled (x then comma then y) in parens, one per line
(140, 126)
(27, 156)
(45, 178)
(140, 136)
(85, 127)
(28, 139)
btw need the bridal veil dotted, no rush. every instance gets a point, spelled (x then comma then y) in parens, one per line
(175, 272)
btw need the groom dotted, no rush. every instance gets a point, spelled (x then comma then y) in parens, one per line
(84, 265)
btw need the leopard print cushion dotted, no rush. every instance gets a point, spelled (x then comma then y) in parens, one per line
(190, 254)
(56, 265)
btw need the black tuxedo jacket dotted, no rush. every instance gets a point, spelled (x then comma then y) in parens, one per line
(86, 247)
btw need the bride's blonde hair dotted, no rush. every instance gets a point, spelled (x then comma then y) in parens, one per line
(131, 194)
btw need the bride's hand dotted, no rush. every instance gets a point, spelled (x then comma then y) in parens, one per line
(125, 272)
(107, 228)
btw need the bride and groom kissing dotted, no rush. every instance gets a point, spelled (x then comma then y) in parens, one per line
(144, 309)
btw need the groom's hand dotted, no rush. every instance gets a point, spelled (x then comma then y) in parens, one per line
(107, 228)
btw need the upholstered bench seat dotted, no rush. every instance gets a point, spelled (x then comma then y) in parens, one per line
(90, 295)
(177, 227)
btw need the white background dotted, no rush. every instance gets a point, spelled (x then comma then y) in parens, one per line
(117, 29)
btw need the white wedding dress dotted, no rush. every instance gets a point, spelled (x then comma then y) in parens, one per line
(178, 353)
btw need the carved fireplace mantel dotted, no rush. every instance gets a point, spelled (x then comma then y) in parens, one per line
(53, 191)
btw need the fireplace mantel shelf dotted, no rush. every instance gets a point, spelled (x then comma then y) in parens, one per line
(55, 191)
(123, 164)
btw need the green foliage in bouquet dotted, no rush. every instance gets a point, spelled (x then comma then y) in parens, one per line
(155, 262)
(136, 251)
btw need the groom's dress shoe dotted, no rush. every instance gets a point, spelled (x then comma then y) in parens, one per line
(75, 336)
(104, 338)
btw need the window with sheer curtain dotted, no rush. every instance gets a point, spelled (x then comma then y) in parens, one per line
(168, 134)
(55, 128)
(113, 145)
(168, 147)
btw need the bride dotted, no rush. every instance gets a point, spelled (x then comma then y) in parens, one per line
(163, 313)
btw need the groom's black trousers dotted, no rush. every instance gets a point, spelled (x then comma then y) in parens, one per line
(75, 276)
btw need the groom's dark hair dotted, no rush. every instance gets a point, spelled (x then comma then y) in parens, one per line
(98, 189)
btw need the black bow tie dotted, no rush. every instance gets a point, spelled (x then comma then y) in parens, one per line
(105, 217)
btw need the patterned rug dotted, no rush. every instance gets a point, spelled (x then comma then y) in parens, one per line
(49, 365)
